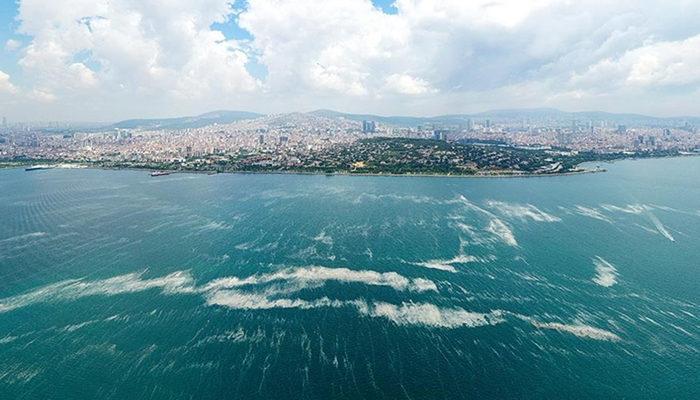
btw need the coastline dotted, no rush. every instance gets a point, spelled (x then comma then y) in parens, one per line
(318, 173)
(583, 171)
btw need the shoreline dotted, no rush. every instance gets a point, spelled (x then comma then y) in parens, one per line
(313, 173)
(57, 165)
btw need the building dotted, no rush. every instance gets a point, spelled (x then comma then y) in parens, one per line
(466, 125)
(261, 140)
(368, 127)
(440, 134)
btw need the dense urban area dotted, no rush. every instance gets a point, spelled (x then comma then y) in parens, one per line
(330, 142)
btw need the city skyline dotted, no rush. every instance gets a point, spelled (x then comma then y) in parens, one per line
(108, 61)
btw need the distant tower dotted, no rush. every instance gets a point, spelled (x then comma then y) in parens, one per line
(261, 139)
(368, 127)
(440, 134)
(488, 123)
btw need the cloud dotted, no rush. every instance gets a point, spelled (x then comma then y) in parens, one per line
(5, 85)
(458, 53)
(108, 48)
(665, 63)
(406, 84)
(12, 45)
(429, 57)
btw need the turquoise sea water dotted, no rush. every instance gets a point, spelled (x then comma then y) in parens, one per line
(116, 285)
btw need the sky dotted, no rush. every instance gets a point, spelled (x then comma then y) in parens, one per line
(106, 60)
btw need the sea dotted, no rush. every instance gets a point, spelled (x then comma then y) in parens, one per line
(119, 285)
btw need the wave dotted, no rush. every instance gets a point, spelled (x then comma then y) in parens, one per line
(235, 336)
(606, 273)
(424, 314)
(468, 204)
(324, 238)
(401, 198)
(442, 265)
(421, 314)
(431, 315)
(522, 211)
(322, 274)
(502, 231)
(254, 301)
(628, 209)
(24, 237)
(8, 339)
(214, 226)
(75, 327)
(231, 293)
(177, 282)
(446, 265)
(659, 226)
(592, 213)
(475, 236)
(580, 330)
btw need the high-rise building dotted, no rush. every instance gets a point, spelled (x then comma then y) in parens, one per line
(261, 139)
(440, 134)
(368, 127)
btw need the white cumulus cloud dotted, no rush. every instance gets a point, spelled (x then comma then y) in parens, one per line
(113, 47)
(5, 85)
(12, 44)
(429, 57)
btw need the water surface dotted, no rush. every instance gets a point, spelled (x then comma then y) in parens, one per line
(117, 285)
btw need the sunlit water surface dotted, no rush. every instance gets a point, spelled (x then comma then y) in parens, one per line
(116, 285)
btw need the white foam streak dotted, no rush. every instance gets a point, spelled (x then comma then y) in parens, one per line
(24, 237)
(446, 265)
(253, 301)
(580, 330)
(660, 227)
(592, 213)
(521, 211)
(324, 238)
(465, 202)
(227, 293)
(606, 272)
(177, 282)
(321, 274)
(502, 231)
(423, 314)
(431, 315)
(628, 209)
